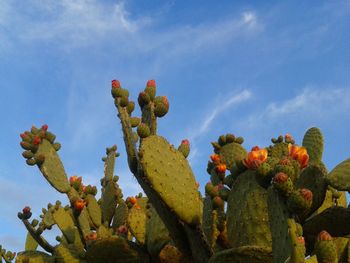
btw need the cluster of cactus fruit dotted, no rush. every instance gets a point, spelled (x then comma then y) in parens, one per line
(274, 204)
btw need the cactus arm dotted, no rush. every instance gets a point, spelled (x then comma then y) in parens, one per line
(176, 228)
(149, 118)
(37, 237)
(130, 144)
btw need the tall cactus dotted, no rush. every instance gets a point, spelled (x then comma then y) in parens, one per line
(273, 204)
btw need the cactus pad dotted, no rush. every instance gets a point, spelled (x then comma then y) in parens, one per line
(52, 167)
(171, 176)
(231, 153)
(137, 223)
(313, 142)
(339, 177)
(34, 257)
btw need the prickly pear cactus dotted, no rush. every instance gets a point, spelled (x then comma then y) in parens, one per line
(271, 204)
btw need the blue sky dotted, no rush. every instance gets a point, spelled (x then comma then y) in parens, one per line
(257, 69)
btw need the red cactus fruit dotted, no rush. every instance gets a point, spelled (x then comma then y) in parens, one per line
(324, 236)
(166, 102)
(186, 142)
(285, 161)
(23, 136)
(122, 230)
(45, 127)
(221, 168)
(138, 207)
(306, 194)
(36, 140)
(115, 84)
(26, 210)
(280, 178)
(151, 83)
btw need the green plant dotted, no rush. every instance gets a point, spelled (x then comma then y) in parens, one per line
(273, 204)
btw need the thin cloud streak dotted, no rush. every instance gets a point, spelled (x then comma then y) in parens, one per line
(234, 100)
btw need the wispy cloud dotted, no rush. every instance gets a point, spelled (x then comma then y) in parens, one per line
(74, 23)
(209, 118)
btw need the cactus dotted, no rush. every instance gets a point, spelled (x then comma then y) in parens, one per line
(272, 204)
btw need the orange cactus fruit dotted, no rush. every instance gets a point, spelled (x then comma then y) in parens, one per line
(324, 236)
(91, 236)
(79, 204)
(255, 157)
(299, 153)
(75, 178)
(132, 200)
(138, 207)
(288, 137)
(306, 194)
(221, 168)
(301, 240)
(122, 229)
(215, 158)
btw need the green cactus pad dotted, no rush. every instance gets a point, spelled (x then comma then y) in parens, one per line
(339, 177)
(67, 253)
(278, 215)
(34, 257)
(114, 249)
(66, 224)
(171, 176)
(244, 254)
(231, 153)
(209, 223)
(84, 222)
(120, 215)
(94, 210)
(157, 235)
(312, 178)
(313, 142)
(247, 213)
(278, 150)
(137, 223)
(108, 201)
(326, 251)
(31, 243)
(52, 167)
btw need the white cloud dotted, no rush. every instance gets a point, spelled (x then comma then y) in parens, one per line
(210, 117)
(72, 23)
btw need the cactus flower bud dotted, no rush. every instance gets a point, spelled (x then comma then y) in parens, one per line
(215, 158)
(221, 168)
(45, 127)
(79, 204)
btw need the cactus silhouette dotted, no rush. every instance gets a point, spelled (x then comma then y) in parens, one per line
(273, 204)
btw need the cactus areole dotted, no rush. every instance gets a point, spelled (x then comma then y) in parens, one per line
(272, 204)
